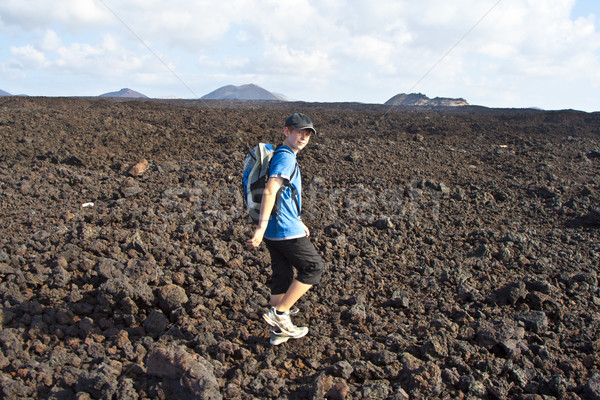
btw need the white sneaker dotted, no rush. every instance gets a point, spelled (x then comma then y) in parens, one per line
(283, 322)
(280, 337)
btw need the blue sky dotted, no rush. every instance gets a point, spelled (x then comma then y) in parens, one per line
(496, 53)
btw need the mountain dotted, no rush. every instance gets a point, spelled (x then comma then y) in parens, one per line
(125, 93)
(3, 93)
(243, 92)
(419, 99)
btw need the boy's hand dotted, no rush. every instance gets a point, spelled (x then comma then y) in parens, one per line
(254, 242)
(305, 229)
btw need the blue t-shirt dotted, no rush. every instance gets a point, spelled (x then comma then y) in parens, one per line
(285, 222)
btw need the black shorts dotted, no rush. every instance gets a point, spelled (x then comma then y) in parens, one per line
(287, 254)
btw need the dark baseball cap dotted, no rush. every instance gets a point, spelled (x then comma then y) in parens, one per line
(300, 121)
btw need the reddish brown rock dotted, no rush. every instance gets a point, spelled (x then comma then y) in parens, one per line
(140, 168)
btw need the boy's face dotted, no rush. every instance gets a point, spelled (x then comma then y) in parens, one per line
(296, 139)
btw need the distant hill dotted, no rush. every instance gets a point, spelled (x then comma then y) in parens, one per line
(243, 92)
(125, 93)
(419, 99)
(3, 93)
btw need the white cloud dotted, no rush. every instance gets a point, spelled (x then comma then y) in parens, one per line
(229, 63)
(50, 42)
(283, 60)
(362, 49)
(42, 14)
(104, 59)
(372, 50)
(546, 42)
(29, 57)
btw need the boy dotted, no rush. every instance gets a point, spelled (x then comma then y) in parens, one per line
(284, 233)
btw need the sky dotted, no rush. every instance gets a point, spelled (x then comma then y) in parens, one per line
(494, 53)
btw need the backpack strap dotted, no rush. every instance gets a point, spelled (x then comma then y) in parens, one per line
(287, 183)
(294, 191)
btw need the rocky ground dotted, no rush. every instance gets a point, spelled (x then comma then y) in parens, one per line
(462, 251)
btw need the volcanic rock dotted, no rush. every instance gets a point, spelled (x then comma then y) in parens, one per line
(139, 168)
(419, 99)
(461, 247)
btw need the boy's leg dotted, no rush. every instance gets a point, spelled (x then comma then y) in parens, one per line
(276, 299)
(284, 289)
(282, 274)
(302, 254)
(284, 302)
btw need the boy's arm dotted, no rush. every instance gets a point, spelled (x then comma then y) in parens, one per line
(266, 206)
